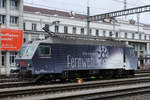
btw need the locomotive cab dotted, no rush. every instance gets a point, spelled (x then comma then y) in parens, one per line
(131, 58)
(24, 58)
(32, 57)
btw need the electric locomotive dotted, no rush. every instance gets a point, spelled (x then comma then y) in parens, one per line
(67, 58)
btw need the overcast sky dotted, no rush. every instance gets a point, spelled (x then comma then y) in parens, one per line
(96, 6)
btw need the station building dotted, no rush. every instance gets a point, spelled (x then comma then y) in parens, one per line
(31, 20)
(11, 17)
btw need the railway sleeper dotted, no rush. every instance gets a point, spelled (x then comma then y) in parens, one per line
(85, 74)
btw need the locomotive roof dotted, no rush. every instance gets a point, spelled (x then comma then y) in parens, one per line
(76, 41)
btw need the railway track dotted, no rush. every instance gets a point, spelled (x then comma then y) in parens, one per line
(12, 83)
(68, 88)
(96, 94)
(12, 78)
(142, 71)
(9, 80)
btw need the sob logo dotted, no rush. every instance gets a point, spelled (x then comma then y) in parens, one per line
(102, 54)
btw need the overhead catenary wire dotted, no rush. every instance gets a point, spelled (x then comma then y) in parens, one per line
(50, 7)
(139, 1)
(42, 4)
(129, 3)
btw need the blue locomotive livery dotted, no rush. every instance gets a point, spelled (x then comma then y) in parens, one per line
(67, 58)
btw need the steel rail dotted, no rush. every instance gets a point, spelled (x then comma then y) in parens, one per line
(102, 95)
(21, 91)
(11, 84)
(9, 80)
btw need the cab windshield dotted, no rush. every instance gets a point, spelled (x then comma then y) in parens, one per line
(22, 50)
(27, 51)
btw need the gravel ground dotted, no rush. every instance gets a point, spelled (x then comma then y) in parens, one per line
(145, 96)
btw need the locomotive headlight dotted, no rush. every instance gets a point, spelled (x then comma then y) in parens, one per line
(18, 65)
(29, 65)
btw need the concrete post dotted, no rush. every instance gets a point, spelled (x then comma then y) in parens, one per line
(148, 48)
(7, 26)
(7, 63)
(21, 14)
(7, 13)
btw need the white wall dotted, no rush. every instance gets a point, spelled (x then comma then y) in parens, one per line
(72, 22)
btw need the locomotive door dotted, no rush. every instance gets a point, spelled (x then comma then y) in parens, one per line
(45, 61)
(130, 59)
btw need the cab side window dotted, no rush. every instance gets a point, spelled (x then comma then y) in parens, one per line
(45, 51)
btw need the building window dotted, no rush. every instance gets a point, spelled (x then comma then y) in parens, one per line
(24, 26)
(2, 19)
(145, 47)
(2, 3)
(133, 35)
(12, 58)
(24, 40)
(13, 20)
(74, 29)
(104, 33)
(3, 58)
(117, 34)
(110, 33)
(133, 46)
(145, 37)
(82, 30)
(90, 32)
(140, 36)
(34, 26)
(97, 32)
(65, 29)
(56, 28)
(140, 46)
(126, 35)
(13, 4)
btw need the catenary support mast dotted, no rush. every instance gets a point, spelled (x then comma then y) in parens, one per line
(88, 19)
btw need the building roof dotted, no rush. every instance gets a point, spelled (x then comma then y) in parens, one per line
(53, 12)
